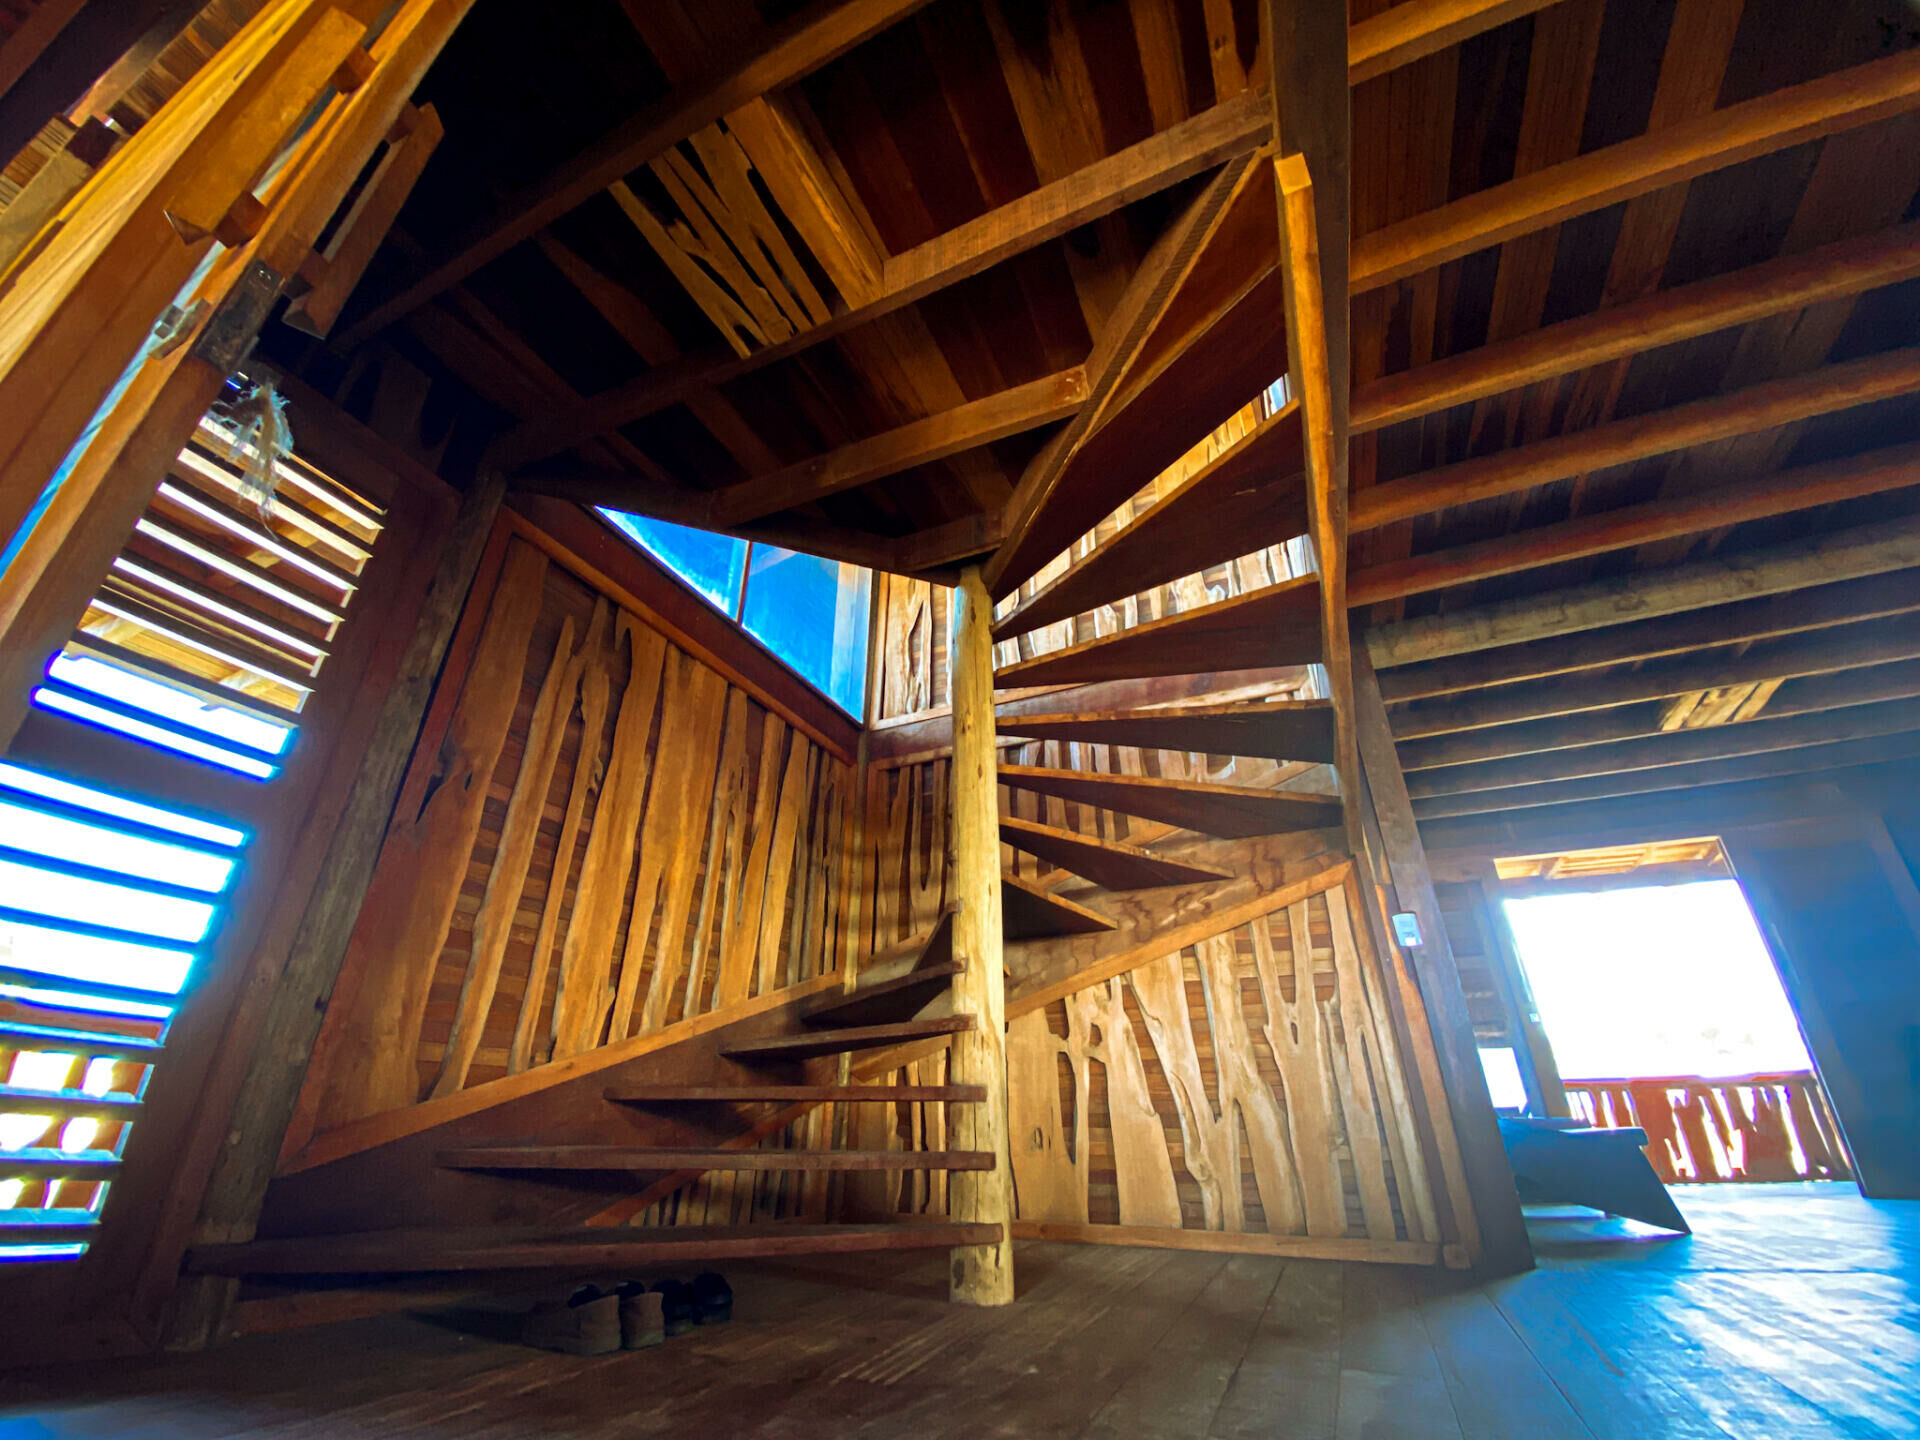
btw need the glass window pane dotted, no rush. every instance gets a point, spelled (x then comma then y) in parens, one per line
(711, 564)
(812, 613)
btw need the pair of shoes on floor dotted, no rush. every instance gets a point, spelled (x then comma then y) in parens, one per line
(596, 1322)
(707, 1301)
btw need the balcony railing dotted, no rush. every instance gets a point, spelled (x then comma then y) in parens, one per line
(1741, 1128)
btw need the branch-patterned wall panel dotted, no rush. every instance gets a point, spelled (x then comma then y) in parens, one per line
(600, 836)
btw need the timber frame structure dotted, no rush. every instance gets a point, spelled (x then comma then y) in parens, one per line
(1288, 436)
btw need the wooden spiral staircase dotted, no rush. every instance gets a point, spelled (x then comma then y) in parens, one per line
(1192, 340)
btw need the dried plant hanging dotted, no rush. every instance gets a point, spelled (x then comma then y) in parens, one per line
(261, 439)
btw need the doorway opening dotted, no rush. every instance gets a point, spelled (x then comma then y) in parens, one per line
(1643, 992)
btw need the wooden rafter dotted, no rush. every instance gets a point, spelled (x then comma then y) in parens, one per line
(791, 51)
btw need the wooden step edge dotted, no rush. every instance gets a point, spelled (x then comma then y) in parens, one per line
(579, 1248)
(790, 1094)
(1084, 920)
(1033, 830)
(860, 1037)
(1304, 728)
(860, 994)
(547, 1159)
(1038, 775)
(1300, 591)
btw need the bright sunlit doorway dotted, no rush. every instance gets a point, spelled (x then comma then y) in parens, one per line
(1662, 1008)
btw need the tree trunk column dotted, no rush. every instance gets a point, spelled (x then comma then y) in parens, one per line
(982, 1274)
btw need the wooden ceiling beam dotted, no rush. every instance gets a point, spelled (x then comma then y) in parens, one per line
(1687, 776)
(1791, 565)
(1157, 163)
(1679, 747)
(930, 552)
(1721, 417)
(1898, 679)
(1783, 492)
(1406, 33)
(1841, 604)
(790, 52)
(1775, 287)
(1674, 153)
(920, 442)
(1821, 652)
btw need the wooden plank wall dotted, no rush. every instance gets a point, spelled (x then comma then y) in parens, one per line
(1247, 1085)
(702, 839)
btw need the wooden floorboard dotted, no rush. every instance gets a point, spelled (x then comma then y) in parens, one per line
(1792, 1311)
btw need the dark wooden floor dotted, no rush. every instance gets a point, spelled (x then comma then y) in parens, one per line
(1793, 1311)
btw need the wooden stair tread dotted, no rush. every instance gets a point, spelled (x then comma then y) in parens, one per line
(1250, 496)
(1277, 625)
(790, 1094)
(1232, 812)
(587, 1248)
(1029, 912)
(546, 1158)
(1299, 730)
(1108, 863)
(835, 1042)
(885, 1001)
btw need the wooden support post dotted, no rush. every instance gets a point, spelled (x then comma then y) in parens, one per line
(982, 1274)
(238, 1185)
(1503, 1244)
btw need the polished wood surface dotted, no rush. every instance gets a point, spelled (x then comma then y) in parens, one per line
(1788, 1312)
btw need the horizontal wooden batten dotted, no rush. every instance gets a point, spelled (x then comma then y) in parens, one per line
(644, 1158)
(1688, 776)
(1775, 287)
(1667, 156)
(1793, 565)
(581, 1249)
(1298, 730)
(1232, 812)
(1216, 1242)
(1108, 863)
(1820, 607)
(794, 1094)
(1274, 626)
(67, 1104)
(1721, 417)
(1420, 731)
(1405, 33)
(978, 422)
(1250, 496)
(1781, 493)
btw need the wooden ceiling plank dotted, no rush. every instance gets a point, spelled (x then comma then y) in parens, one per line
(1756, 407)
(1842, 604)
(1244, 499)
(729, 169)
(1862, 721)
(1783, 492)
(727, 251)
(1836, 271)
(1792, 565)
(1278, 625)
(790, 51)
(1405, 33)
(1694, 775)
(1823, 652)
(978, 422)
(1840, 101)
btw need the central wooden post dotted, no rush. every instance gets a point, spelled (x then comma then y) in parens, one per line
(982, 1274)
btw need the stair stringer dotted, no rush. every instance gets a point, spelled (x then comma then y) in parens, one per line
(382, 1173)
